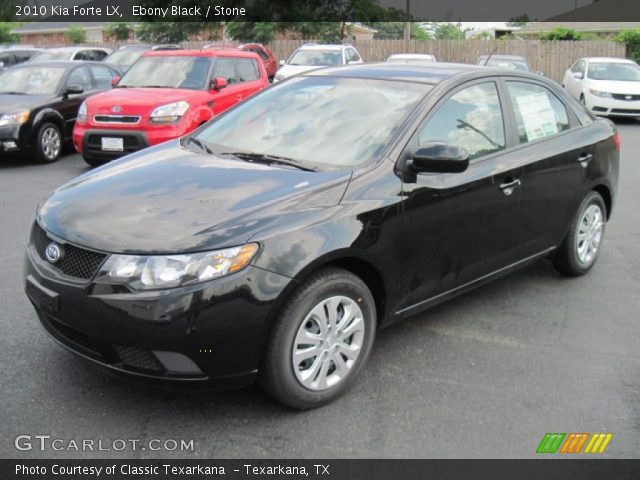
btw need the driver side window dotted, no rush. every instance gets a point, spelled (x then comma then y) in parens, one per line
(472, 119)
(80, 77)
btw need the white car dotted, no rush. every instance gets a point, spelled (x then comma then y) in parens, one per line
(96, 54)
(312, 56)
(412, 58)
(605, 86)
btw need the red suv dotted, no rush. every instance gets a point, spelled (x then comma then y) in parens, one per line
(269, 60)
(163, 96)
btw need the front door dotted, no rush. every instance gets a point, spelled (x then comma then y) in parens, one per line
(459, 227)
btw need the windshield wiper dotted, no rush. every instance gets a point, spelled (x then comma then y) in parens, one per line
(12, 93)
(200, 144)
(268, 159)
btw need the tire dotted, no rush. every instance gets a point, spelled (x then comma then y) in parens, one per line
(93, 162)
(303, 314)
(49, 143)
(579, 251)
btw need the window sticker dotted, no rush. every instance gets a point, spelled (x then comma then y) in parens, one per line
(538, 115)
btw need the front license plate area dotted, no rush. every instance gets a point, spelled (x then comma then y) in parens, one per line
(112, 144)
(42, 297)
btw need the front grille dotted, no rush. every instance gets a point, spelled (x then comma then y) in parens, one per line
(622, 96)
(76, 262)
(624, 111)
(78, 339)
(138, 358)
(125, 119)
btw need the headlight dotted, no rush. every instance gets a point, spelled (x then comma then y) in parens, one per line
(166, 271)
(82, 112)
(600, 94)
(15, 118)
(171, 112)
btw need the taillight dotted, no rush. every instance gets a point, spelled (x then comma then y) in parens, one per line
(616, 140)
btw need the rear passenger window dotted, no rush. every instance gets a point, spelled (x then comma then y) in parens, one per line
(82, 55)
(224, 69)
(7, 59)
(247, 70)
(80, 77)
(354, 56)
(539, 113)
(103, 77)
(98, 55)
(472, 119)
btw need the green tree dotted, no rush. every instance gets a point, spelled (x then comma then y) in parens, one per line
(120, 31)
(519, 20)
(261, 32)
(76, 34)
(561, 33)
(631, 39)
(395, 30)
(447, 31)
(168, 32)
(5, 33)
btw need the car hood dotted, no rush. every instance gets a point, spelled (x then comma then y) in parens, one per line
(289, 70)
(170, 199)
(612, 86)
(10, 103)
(140, 100)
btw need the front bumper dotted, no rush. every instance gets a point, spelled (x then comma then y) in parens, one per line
(10, 139)
(610, 107)
(88, 139)
(212, 332)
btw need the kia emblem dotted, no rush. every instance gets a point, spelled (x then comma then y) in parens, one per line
(53, 252)
(116, 109)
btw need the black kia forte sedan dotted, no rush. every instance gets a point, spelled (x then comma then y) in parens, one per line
(273, 243)
(39, 104)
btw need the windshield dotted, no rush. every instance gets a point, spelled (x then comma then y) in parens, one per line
(317, 121)
(124, 57)
(52, 55)
(625, 72)
(168, 72)
(35, 80)
(316, 57)
(509, 64)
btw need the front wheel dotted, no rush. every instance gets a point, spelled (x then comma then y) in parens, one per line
(579, 250)
(320, 341)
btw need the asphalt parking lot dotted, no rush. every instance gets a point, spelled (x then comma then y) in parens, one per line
(483, 376)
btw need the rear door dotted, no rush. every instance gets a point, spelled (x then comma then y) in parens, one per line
(224, 67)
(248, 74)
(554, 151)
(462, 226)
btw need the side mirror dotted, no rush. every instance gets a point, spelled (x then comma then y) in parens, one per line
(115, 80)
(540, 73)
(577, 75)
(74, 90)
(281, 62)
(440, 158)
(218, 83)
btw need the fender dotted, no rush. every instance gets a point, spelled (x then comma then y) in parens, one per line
(51, 115)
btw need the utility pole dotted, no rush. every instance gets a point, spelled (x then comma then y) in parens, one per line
(407, 26)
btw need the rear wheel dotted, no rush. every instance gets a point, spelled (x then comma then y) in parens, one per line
(320, 341)
(48, 143)
(579, 250)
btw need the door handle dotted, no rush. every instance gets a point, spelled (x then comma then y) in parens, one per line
(508, 187)
(584, 159)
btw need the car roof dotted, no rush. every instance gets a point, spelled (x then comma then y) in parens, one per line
(62, 63)
(74, 49)
(430, 74)
(607, 59)
(318, 46)
(411, 55)
(229, 52)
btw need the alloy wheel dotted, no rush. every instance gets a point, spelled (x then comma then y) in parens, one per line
(589, 234)
(50, 143)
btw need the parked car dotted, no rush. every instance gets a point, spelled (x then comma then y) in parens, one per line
(126, 56)
(412, 58)
(511, 62)
(605, 86)
(273, 243)
(95, 54)
(16, 55)
(269, 60)
(267, 57)
(165, 95)
(311, 56)
(39, 104)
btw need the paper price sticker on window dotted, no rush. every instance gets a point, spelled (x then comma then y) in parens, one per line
(537, 115)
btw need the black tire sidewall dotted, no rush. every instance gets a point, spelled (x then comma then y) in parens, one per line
(277, 376)
(39, 153)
